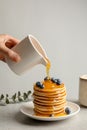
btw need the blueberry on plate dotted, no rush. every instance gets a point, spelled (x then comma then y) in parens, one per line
(38, 84)
(67, 110)
(51, 115)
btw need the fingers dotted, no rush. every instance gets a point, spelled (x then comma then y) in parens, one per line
(11, 41)
(10, 44)
(2, 57)
(11, 54)
(6, 43)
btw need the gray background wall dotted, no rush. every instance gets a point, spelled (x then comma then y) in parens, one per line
(61, 27)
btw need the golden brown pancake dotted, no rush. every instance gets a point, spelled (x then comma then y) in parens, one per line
(49, 100)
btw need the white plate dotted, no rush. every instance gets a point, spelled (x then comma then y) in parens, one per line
(27, 109)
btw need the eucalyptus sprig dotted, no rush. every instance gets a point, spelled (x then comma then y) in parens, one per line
(15, 98)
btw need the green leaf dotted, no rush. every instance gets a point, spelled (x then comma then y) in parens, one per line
(7, 101)
(19, 93)
(25, 96)
(29, 92)
(6, 95)
(14, 97)
(20, 99)
(2, 97)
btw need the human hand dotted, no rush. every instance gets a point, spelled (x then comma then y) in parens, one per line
(6, 43)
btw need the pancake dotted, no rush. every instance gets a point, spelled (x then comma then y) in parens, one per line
(47, 102)
(50, 98)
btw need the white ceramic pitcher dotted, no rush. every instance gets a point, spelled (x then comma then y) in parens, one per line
(31, 53)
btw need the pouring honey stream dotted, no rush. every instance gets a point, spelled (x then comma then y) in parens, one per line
(48, 65)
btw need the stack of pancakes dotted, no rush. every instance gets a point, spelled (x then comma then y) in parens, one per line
(50, 100)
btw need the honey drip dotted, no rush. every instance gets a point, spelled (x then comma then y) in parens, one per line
(48, 65)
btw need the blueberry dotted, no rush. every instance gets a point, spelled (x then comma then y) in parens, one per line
(46, 78)
(53, 80)
(38, 84)
(51, 115)
(67, 110)
(59, 82)
(42, 86)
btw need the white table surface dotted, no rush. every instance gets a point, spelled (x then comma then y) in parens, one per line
(12, 119)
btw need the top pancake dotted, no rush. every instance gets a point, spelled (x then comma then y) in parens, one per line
(49, 86)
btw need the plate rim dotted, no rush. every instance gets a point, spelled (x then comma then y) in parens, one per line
(49, 118)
